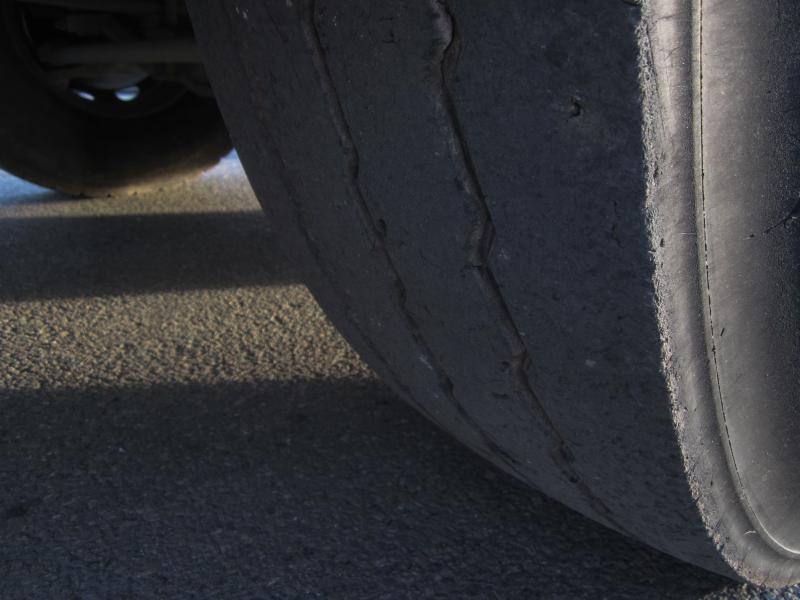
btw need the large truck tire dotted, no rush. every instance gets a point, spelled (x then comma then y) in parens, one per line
(567, 232)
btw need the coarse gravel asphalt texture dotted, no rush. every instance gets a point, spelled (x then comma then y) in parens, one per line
(180, 420)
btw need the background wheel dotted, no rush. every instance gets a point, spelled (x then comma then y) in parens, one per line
(80, 114)
(565, 231)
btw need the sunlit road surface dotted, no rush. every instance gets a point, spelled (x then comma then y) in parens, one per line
(179, 420)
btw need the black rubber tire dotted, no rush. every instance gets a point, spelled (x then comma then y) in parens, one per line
(50, 142)
(567, 232)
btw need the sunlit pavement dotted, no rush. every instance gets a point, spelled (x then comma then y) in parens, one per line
(179, 420)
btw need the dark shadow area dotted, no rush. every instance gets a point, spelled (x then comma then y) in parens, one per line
(35, 195)
(62, 257)
(316, 488)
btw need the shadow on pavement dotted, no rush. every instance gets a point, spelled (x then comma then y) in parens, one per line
(328, 488)
(136, 254)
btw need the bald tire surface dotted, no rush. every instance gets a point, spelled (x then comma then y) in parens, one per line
(547, 224)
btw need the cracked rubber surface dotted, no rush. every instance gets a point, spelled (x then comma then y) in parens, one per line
(510, 212)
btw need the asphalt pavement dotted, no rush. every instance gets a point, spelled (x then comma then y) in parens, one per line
(178, 419)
